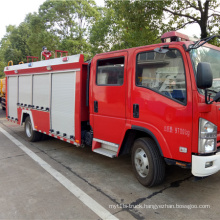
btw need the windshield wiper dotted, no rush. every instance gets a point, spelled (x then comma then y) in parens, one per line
(197, 43)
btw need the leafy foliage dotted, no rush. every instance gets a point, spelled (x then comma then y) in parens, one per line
(125, 24)
(16, 47)
(203, 12)
(3, 45)
(39, 36)
(70, 21)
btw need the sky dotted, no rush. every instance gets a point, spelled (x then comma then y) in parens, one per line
(13, 12)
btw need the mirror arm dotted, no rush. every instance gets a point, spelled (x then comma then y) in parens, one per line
(206, 98)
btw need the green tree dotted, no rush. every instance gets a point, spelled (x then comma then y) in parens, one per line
(125, 24)
(70, 20)
(25, 40)
(3, 46)
(14, 44)
(107, 33)
(205, 13)
(39, 36)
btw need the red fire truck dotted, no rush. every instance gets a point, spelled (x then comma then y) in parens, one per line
(156, 102)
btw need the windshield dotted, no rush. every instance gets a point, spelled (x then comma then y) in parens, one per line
(205, 54)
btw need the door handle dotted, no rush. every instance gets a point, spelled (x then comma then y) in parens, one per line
(96, 106)
(136, 110)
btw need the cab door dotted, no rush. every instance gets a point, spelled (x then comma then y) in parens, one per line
(162, 99)
(107, 104)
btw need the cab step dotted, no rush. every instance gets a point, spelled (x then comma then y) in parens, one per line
(107, 148)
(106, 152)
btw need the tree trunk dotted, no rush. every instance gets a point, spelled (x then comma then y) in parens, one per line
(204, 19)
(203, 28)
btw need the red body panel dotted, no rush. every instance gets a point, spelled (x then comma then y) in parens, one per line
(84, 108)
(41, 120)
(110, 120)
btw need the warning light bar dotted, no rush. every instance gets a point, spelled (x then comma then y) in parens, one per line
(173, 36)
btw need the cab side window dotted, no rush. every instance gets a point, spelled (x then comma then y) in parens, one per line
(110, 72)
(163, 73)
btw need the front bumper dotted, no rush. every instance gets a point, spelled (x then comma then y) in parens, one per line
(199, 165)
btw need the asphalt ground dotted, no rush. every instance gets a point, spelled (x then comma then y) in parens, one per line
(52, 179)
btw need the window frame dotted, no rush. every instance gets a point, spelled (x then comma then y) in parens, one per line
(200, 91)
(109, 58)
(171, 98)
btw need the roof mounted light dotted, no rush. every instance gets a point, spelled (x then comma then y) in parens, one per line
(65, 59)
(174, 36)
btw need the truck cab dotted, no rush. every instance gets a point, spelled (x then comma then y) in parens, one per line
(155, 109)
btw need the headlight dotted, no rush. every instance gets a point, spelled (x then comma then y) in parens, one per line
(207, 136)
(208, 127)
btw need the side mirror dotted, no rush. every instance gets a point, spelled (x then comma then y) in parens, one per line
(204, 76)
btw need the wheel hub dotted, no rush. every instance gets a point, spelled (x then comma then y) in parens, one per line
(28, 129)
(141, 162)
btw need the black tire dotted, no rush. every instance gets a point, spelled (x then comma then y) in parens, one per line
(31, 135)
(148, 165)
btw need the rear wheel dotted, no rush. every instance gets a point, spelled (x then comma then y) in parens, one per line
(147, 163)
(31, 135)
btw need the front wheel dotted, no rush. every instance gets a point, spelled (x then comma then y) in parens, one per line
(148, 165)
(31, 135)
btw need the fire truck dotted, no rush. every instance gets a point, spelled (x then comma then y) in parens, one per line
(155, 102)
(2, 93)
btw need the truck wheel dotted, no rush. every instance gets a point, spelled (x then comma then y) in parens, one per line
(147, 163)
(31, 135)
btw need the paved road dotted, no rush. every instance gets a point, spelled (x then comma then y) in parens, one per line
(29, 191)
